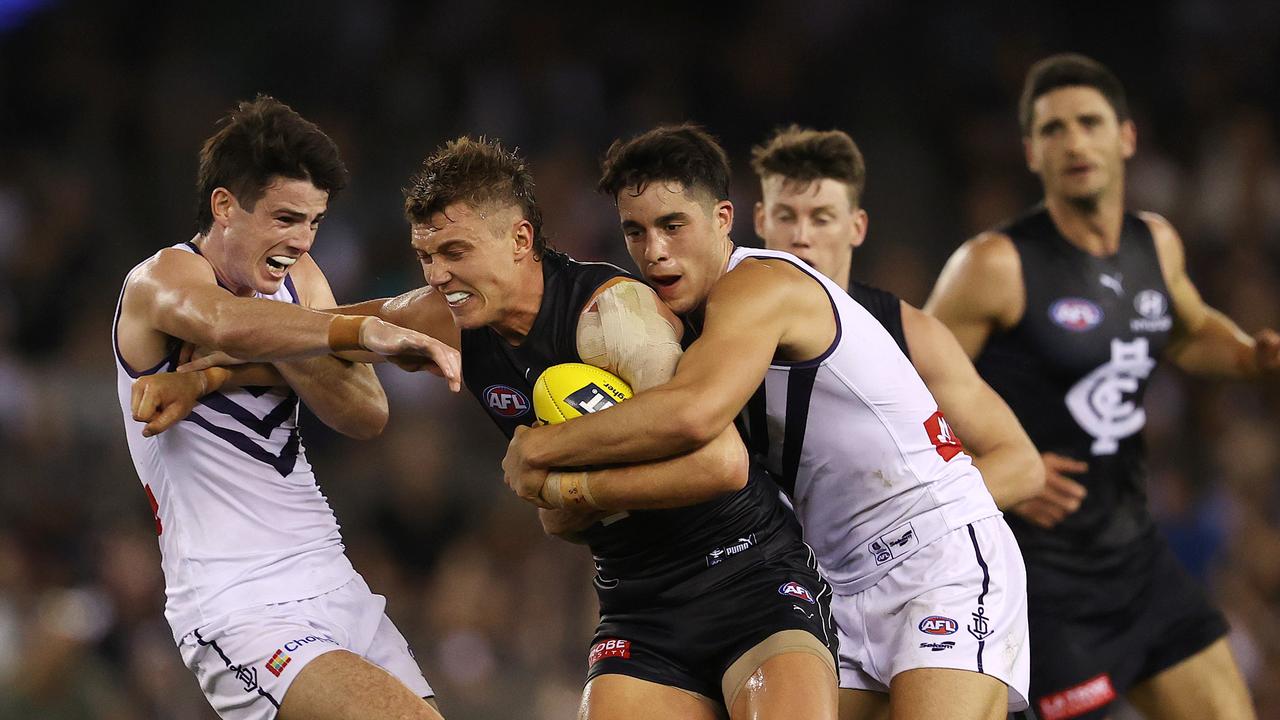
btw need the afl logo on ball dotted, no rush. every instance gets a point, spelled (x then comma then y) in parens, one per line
(505, 401)
(1075, 314)
(938, 625)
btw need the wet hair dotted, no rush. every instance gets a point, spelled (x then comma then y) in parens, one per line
(685, 153)
(803, 156)
(260, 140)
(1069, 70)
(476, 172)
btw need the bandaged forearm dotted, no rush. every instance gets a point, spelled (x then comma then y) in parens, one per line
(569, 491)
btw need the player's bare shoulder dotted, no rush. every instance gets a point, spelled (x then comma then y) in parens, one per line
(767, 280)
(1168, 243)
(783, 299)
(167, 270)
(983, 278)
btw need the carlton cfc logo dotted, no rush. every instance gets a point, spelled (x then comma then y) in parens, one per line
(505, 401)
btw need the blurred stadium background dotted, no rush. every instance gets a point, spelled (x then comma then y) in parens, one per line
(103, 106)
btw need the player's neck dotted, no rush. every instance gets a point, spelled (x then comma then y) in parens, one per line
(525, 302)
(212, 248)
(1093, 226)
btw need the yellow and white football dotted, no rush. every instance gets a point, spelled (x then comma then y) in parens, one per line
(571, 390)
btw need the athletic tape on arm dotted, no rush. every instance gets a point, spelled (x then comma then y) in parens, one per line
(623, 332)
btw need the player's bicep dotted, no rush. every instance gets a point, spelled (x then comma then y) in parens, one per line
(1189, 309)
(745, 319)
(178, 295)
(627, 330)
(979, 415)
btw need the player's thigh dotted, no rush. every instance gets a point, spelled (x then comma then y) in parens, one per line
(789, 685)
(947, 694)
(622, 697)
(863, 705)
(340, 685)
(1205, 686)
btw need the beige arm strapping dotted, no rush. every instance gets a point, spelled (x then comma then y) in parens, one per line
(623, 331)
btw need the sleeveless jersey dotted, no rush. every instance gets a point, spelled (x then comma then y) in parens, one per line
(1075, 369)
(240, 518)
(885, 307)
(856, 439)
(641, 554)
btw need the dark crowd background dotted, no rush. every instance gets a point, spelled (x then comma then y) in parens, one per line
(103, 106)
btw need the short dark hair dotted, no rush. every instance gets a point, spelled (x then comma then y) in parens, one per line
(1066, 70)
(476, 172)
(684, 153)
(804, 155)
(262, 139)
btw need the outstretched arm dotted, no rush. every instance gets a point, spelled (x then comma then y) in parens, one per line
(1207, 342)
(1010, 465)
(176, 295)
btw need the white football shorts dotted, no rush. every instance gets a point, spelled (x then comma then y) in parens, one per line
(246, 659)
(959, 602)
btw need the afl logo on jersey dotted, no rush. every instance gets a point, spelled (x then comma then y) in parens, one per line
(938, 625)
(1075, 314)
(505, 401)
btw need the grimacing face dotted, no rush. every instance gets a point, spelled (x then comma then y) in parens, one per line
(678, 240)
(815, 221)
(258, 247)
(470, 256)
(1077, 146)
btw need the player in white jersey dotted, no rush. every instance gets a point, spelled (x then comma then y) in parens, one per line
(930, 587)
(811, 185)
(265, 607)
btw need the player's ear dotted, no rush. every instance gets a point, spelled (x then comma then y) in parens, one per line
(221, 202)
(1029, 152)
(522, 238)
(724, 216)
(1128, 139)
(758, 216)
(860, 222)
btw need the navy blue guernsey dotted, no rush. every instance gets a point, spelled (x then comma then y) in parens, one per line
(1074, 370)
(642, 556)
(885, 307)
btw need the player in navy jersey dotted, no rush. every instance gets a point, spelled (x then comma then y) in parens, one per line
(710, 604)
(1066, 311)
(929, 588)
(811, 185)
(264, 605)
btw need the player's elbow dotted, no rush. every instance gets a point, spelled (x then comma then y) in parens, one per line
(692, 427)
(368, 424)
